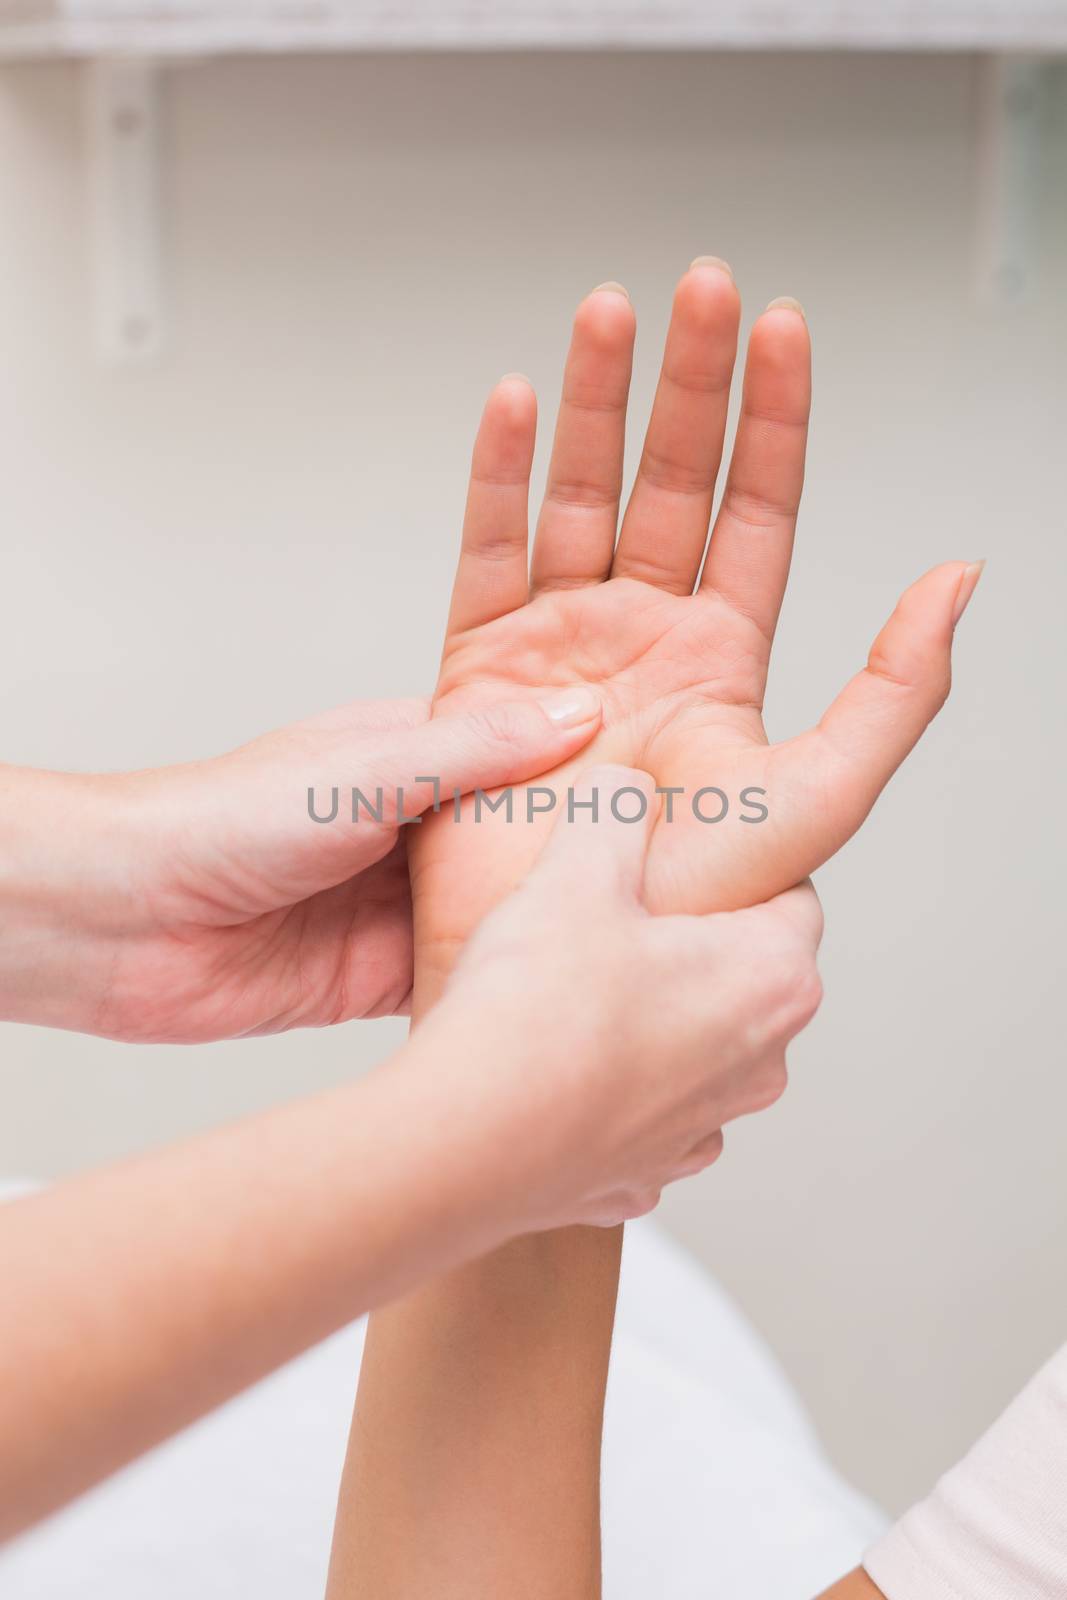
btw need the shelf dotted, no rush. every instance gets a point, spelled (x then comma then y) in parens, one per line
(174, 28)
(128, 46)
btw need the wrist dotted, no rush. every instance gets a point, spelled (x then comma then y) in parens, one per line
(481, 1078)
(505, 1099)
(67, 891)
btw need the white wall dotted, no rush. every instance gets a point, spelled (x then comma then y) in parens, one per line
(265, 524)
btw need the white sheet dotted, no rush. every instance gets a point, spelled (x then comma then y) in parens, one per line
(714, 1484)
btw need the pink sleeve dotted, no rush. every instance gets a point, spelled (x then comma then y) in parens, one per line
(995, 1526)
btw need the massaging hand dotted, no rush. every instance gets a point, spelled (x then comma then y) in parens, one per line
(616, 1044)
(202, 902)
(681, 665)
(572, 1068)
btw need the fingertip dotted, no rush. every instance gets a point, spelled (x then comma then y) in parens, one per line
(938, 599)
(972, 572)
(707, 296)
(577, 707)
(504, 448)
(786, 302)
(946, 574)
(781, 338)
(512, 401)
(712, 264)
(778, 370)
(611, 286)
(605, 319)
(615, 802)
(610, 777)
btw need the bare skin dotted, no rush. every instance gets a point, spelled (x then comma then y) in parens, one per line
(202, 902)
(678, 647)
(199, 1268)
(855, 1586)
(681, 665)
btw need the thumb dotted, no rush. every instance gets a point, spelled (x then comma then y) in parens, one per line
(242, 821)
(879, 716)
(600, 839)
(481, 749)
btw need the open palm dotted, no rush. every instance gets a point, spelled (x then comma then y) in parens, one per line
(679, 655)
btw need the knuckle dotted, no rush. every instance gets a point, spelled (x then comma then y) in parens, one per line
(605, 1219)
(502, 725)
(794, 988)
(713, 1147)
(623, 1205)
(809, 993)
(801, 995)
(812, 919)
(646, 1203)
(702, 1156)
(767, 1084)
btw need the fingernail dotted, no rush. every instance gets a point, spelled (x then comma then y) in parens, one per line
(612, 288)
(519, 377)
(968, 584)
(785, 302)
(569, 708)
(713, 261)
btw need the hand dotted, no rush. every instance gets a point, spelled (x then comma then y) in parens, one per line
(203, 902)
(681, 673)
(616, 1044)
(568, 1073)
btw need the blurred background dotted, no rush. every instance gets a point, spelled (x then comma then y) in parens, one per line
(235, 500)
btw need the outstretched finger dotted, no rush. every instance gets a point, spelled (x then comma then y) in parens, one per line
(576, 529)
(665, 527)
(752, 540)
(491, 578)
(880, 715)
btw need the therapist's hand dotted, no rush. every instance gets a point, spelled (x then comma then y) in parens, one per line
(616, 1043)
(204, 901)
(585, 1054)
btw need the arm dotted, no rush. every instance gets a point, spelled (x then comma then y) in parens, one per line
(473, 1464)
(204, 902)
(679, 647)
(855, 1586)
(141, 1296)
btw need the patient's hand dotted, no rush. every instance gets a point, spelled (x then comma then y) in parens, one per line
(681, 673)
(476, 1448)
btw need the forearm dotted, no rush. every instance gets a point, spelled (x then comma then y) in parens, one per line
(144, 1295)
(68, 872)
(473, 1465)
(855, 1586)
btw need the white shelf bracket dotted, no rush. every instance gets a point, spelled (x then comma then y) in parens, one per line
(1008, 154)
(122, 134)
